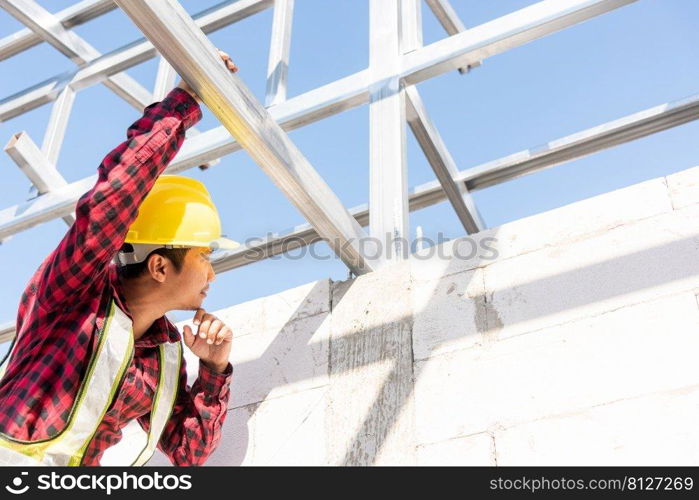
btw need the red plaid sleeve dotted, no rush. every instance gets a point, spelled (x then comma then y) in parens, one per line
(105, 212)
(194, 429)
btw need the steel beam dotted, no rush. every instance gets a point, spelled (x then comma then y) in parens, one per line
(121, 59)
(194, 57)
(49, 28)
(450, 21)
(441, 162)
(44, 208)
(74, 15)
(388, 171)
(278, 65)
(581, 144)
(33, 162)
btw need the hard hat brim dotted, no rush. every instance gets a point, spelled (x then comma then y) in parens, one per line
(224, 244)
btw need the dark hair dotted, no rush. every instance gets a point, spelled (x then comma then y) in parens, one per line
(175, 255)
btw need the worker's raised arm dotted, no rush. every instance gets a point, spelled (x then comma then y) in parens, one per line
(105, 212)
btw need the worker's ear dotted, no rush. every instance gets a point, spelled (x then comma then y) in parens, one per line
(159, 267)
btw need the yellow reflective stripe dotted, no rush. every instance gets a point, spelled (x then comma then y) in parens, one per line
(11, 457)
(37, 450)
(168, 383)
(33, 451)
(112, 332)
(77, 458)
(156, 400)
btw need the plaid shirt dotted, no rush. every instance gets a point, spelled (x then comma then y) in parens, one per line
(66, 302)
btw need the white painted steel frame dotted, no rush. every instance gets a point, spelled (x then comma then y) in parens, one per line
(49, 28)
(190, 52)
(36, 166)
(467, 47)
(58, 124)
(411, 25)
(450, 21)
(426, 133)
(74, 15)
(32, 161)
(278, 65)
(338, 96)
(165, 79)
(442, 162)
(554, 153)
(123, 58)
(388, 168)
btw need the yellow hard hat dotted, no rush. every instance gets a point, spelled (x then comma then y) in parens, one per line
(178, 211)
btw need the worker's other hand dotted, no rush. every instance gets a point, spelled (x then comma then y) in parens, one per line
(212, 341)
(227, 61)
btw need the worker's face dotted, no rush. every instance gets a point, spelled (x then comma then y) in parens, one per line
(192, 283)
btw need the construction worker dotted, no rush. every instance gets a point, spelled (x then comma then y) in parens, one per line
(96, 374)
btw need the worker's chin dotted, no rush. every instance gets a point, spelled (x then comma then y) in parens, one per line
(194, 305)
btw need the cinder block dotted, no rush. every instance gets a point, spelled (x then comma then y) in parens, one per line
(370, 412)
(278, 362)
(631, 263)
(477, 450)
(632, 351)
(659, 429)
(448, 313)
(290, 430)
(554, 227)
(684, 187)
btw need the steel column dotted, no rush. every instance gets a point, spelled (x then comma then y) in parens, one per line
(388, 172)
(278, 66)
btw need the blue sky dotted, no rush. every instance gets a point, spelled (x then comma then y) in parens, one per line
(633, 58)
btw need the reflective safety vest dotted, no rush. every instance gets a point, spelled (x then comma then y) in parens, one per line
(105, 373)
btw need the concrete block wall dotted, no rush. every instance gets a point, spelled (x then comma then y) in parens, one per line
(576, 345)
